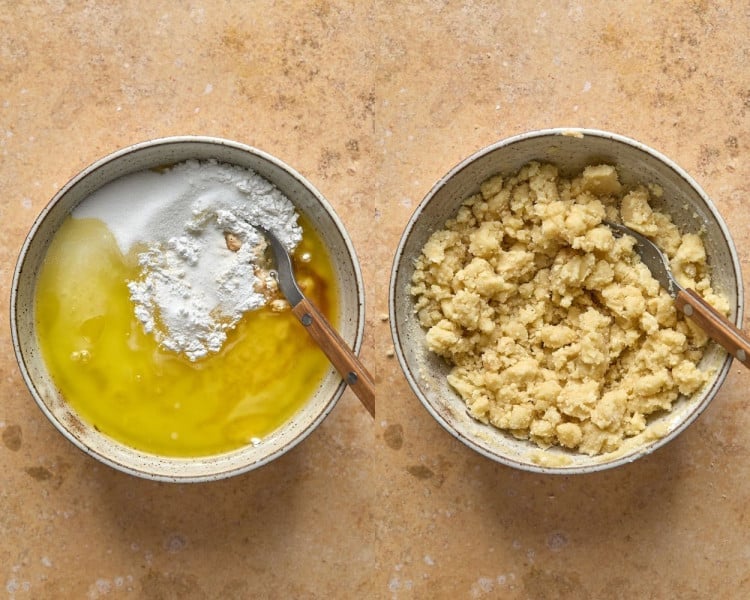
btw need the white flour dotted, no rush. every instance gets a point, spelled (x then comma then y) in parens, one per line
(191, 288)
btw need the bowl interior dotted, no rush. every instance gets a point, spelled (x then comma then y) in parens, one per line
(155, 154)
(683, 200)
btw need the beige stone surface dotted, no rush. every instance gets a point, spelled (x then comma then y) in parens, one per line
(372, 102)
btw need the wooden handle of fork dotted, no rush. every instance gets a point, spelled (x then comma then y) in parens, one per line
(338, 352)
(716, 325)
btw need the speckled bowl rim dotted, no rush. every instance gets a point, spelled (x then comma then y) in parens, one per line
(229, 469)
(413, 377)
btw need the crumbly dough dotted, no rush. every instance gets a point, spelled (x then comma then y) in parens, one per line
(555, 329)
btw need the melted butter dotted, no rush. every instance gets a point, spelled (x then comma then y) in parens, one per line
(117, 378)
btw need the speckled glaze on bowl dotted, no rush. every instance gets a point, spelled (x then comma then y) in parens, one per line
(157, 153)
(571, 150)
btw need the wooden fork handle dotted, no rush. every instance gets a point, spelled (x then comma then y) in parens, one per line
(338, 352)
(716, 325)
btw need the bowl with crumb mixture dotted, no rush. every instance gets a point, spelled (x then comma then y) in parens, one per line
(147, 321)
(534, 334)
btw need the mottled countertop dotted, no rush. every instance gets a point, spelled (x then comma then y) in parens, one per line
(372, 102)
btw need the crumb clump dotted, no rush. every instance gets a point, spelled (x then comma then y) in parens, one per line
(234, 243)
(557, 332)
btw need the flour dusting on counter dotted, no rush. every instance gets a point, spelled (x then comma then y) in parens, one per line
(193, 284)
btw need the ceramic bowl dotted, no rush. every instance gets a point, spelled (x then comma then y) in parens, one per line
(571, 150)
(154, 154)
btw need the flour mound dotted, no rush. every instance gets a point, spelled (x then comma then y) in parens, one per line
(192, 289)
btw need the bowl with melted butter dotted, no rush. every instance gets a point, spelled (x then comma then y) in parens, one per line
(147, 323)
